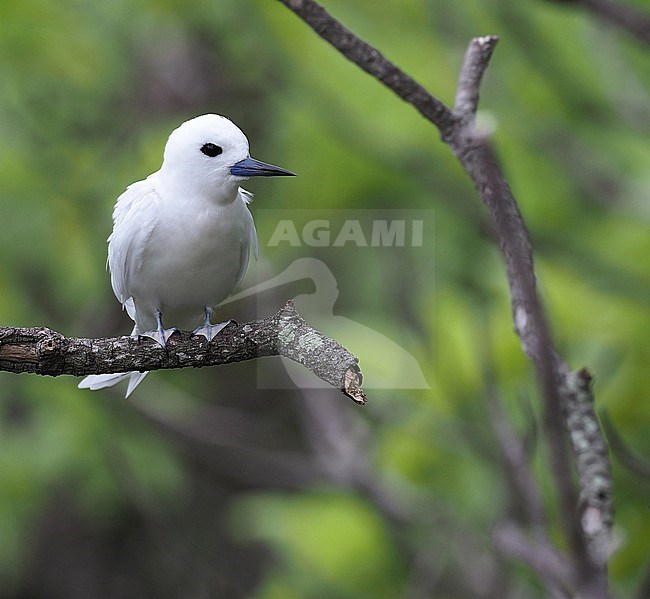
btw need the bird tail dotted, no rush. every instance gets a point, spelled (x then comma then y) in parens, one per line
(100, 381)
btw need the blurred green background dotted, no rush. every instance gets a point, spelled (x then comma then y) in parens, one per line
(204, 485)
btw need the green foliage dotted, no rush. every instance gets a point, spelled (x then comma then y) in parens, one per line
(328, 544)
(88, 94)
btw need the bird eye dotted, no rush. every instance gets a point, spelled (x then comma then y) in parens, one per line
(211, 149)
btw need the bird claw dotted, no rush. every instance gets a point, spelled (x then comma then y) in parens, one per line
(210, 331)
(160, 336)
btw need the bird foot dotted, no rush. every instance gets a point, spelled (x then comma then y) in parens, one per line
(160, 336)
(210, 331)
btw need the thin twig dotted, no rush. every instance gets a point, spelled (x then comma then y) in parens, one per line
(626, 17)
(541, 558)
(372, 61)
(516, 460)
(477, 57)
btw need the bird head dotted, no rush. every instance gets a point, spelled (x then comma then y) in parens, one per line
(210, 154)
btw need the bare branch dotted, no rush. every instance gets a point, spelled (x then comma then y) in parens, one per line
(628, 18)
(516, 460)
(541, 558)
(46, 352)
(477, 157)
(373, 62)
(477, 57)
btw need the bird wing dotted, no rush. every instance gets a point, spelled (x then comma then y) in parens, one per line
(251, 242)
(134, 219)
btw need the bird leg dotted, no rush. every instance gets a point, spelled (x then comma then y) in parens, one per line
(210, 331)
(161, 334)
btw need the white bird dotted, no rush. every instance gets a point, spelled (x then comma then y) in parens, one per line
(182, 237)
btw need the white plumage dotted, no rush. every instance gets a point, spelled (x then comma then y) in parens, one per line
(182, 237)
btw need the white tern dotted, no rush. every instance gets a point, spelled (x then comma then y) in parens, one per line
(182, 237)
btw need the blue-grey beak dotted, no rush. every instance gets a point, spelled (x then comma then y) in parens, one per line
(249, 167)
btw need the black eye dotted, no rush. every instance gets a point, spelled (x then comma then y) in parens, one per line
(211, 149)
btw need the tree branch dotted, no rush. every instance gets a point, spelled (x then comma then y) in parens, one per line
(628, 18)
(476, 155)
(515, 457)
(542, 558)
(372, 61)
(46, 352)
